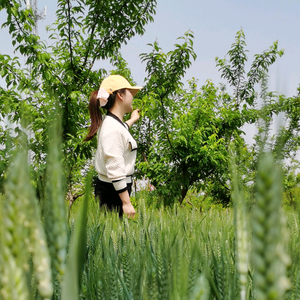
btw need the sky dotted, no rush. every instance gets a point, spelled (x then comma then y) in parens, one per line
(214, 24)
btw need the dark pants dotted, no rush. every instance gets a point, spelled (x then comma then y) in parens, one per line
(108, 197)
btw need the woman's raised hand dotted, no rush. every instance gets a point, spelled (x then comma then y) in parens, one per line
(135, 115)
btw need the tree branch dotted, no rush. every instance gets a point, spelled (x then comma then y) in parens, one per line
(117, 37)
(69, 34)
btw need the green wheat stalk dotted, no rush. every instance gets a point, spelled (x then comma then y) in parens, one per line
(241, 234)
(54, 204)
(23, 235)
(269, 257)
(201, 289)
(77, 250)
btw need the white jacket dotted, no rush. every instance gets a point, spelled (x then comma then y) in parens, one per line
(116, 153)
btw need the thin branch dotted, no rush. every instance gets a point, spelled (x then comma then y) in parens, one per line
(69, 34)
(122, 33)
(187, 201)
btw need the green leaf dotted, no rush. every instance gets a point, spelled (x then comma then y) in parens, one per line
(72, 279)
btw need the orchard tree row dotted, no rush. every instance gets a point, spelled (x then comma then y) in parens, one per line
(186, 136)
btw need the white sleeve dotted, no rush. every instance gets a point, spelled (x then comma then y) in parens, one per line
(113, 149)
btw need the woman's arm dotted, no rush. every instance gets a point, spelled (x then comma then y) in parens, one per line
(135, 115)
(127, 206)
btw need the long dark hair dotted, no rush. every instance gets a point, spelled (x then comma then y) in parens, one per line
(95, 112)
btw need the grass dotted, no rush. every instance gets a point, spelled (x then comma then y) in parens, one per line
(168, 253)
(158, 255)
(163, 253)
(176, 253)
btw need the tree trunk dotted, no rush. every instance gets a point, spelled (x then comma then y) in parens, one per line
(184, 191)
(72, 198)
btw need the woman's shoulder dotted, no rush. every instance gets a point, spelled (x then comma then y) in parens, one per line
(110, 125)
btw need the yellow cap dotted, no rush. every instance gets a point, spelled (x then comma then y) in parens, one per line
(117, 82)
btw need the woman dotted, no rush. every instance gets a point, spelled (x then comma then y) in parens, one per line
(116, 150)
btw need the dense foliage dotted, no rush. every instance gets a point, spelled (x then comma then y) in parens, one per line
(61, 73)
(190, 138)
(185, 133)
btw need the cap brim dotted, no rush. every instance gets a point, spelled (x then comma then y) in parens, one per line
(135, 89)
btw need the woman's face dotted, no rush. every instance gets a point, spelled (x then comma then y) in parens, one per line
(128, 101)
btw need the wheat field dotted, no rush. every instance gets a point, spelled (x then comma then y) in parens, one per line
(243, 252)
